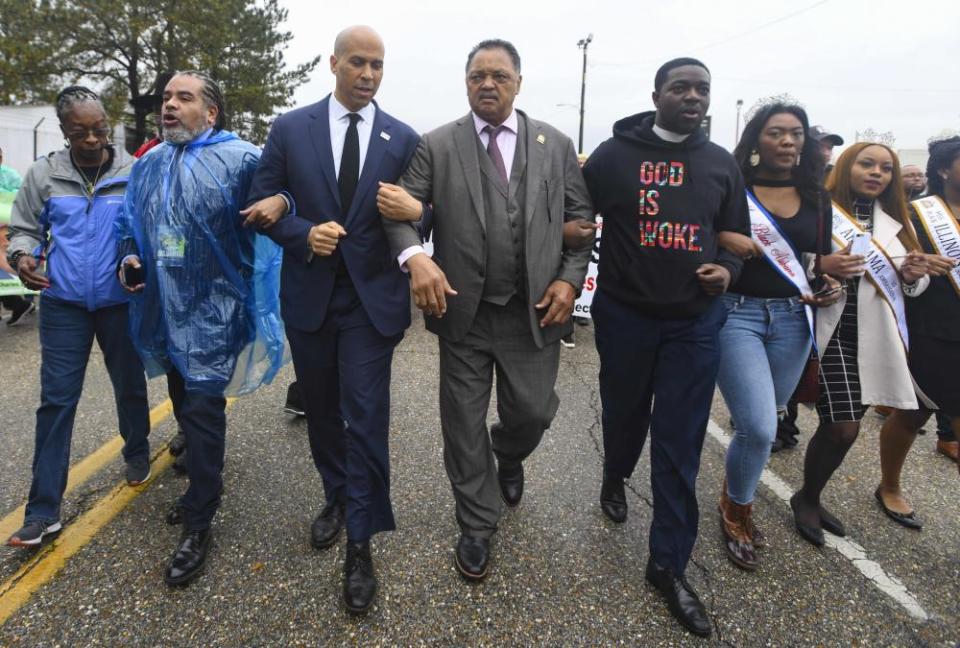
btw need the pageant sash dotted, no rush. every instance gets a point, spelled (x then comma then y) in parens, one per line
(942, 230)
(881, 270)
(778, 251)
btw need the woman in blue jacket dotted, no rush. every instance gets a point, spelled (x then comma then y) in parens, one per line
(66, 213)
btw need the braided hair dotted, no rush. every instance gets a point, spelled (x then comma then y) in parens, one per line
(943, 153)
(212, 95)
(72, 96)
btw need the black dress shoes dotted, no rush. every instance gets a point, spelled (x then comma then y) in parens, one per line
(178, 443)
(175, 514)
(189, 558)
(326, 528)
(813, 535)
(472, 557)
(359, 581)
(830, 523)
(510, 477)
(684, 604)
(613, 499)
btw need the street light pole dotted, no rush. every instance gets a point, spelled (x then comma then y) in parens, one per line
(582, 44)
(736, 137)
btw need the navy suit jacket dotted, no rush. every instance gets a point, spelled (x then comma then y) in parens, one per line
(297, 160)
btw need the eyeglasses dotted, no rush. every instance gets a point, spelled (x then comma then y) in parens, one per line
(81, 133)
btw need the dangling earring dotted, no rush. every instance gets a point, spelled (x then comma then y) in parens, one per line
(798, 159)
(754, 158)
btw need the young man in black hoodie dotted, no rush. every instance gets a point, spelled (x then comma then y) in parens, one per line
(665, 192)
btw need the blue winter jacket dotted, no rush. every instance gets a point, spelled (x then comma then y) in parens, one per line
(53, 217)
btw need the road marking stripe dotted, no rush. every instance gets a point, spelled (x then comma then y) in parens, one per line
(886, 583)
(86, 468)
(48, 561)
(18, 589)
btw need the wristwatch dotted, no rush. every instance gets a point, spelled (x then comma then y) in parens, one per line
(14, 259)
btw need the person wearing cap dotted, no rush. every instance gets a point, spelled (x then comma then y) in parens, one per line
(827, 141)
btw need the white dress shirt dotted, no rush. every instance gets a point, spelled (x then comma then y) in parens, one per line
(506, 141)
(339, 123)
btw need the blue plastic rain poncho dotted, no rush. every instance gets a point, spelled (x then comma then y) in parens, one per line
(210, 306)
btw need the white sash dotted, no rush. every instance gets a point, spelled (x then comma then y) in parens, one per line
(942, 230)
(778, 251)
(881, 270)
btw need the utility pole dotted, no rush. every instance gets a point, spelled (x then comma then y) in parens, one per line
(736, 137)
(582, 44)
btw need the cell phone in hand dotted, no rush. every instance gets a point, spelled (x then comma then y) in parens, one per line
(861, 244)
(826, 291)
(133, 276)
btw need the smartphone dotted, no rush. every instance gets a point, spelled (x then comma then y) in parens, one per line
(133, 276)
(826, 292)
(861, 244)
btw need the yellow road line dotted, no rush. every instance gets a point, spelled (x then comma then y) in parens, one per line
(86, 468)
(42, 567)
(18, 589)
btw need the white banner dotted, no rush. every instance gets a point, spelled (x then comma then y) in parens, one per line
(942, 230)
(778, 251)
(582, 306)
(881, 270)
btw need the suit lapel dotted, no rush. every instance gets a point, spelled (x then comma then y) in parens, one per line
(536, 154)
(466, 140)
(371, 164)
(320, 135)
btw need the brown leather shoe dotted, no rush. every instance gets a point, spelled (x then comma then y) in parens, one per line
(735, 522)
(756, 536)
(949, 449)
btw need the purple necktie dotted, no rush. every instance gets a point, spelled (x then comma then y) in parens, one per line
(494, 151)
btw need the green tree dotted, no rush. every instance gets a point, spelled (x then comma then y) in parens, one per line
(120, 46)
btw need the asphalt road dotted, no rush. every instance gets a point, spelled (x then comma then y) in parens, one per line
(562, 575)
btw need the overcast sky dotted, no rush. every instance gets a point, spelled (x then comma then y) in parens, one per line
(853, 64)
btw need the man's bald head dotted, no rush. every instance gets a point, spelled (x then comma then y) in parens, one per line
(357, 62)
(363, 33)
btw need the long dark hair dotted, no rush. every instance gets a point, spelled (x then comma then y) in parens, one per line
(893, 199)
(808, 174)
(942, 155)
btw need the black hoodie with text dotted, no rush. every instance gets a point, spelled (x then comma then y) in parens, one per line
(663, 204)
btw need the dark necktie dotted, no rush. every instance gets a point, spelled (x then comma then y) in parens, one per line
(494, 151)
(349, 165)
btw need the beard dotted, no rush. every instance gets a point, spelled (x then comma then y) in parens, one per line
(182, 134)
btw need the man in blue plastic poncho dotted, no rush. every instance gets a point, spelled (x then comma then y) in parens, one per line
(206, 311)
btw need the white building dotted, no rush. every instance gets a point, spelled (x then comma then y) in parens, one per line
(29, 132)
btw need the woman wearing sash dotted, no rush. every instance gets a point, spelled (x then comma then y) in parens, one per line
(766, 340)
(934, 323)
(861, 339)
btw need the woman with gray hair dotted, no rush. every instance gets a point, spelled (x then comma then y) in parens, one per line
(74, 197)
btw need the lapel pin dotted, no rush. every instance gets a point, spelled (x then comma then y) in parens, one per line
(541, 139)
(385, 136)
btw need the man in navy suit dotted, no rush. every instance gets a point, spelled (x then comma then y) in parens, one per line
(345, 301)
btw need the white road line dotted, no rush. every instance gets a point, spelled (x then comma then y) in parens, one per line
(889, 585)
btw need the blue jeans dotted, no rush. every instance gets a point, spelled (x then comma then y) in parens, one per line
(66, 336)
(764, 347)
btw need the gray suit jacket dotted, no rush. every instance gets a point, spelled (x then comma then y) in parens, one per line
(445, 172)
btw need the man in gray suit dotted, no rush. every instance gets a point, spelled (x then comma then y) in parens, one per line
(500, 287)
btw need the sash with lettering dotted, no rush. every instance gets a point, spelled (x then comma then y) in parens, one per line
(778, 251)
(881, 271)
(942, 230)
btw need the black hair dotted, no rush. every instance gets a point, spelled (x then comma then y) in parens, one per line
(664, 70)
(73, 95)
(808, 174)
(943, 153)
(211, 93)
(496, 43)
